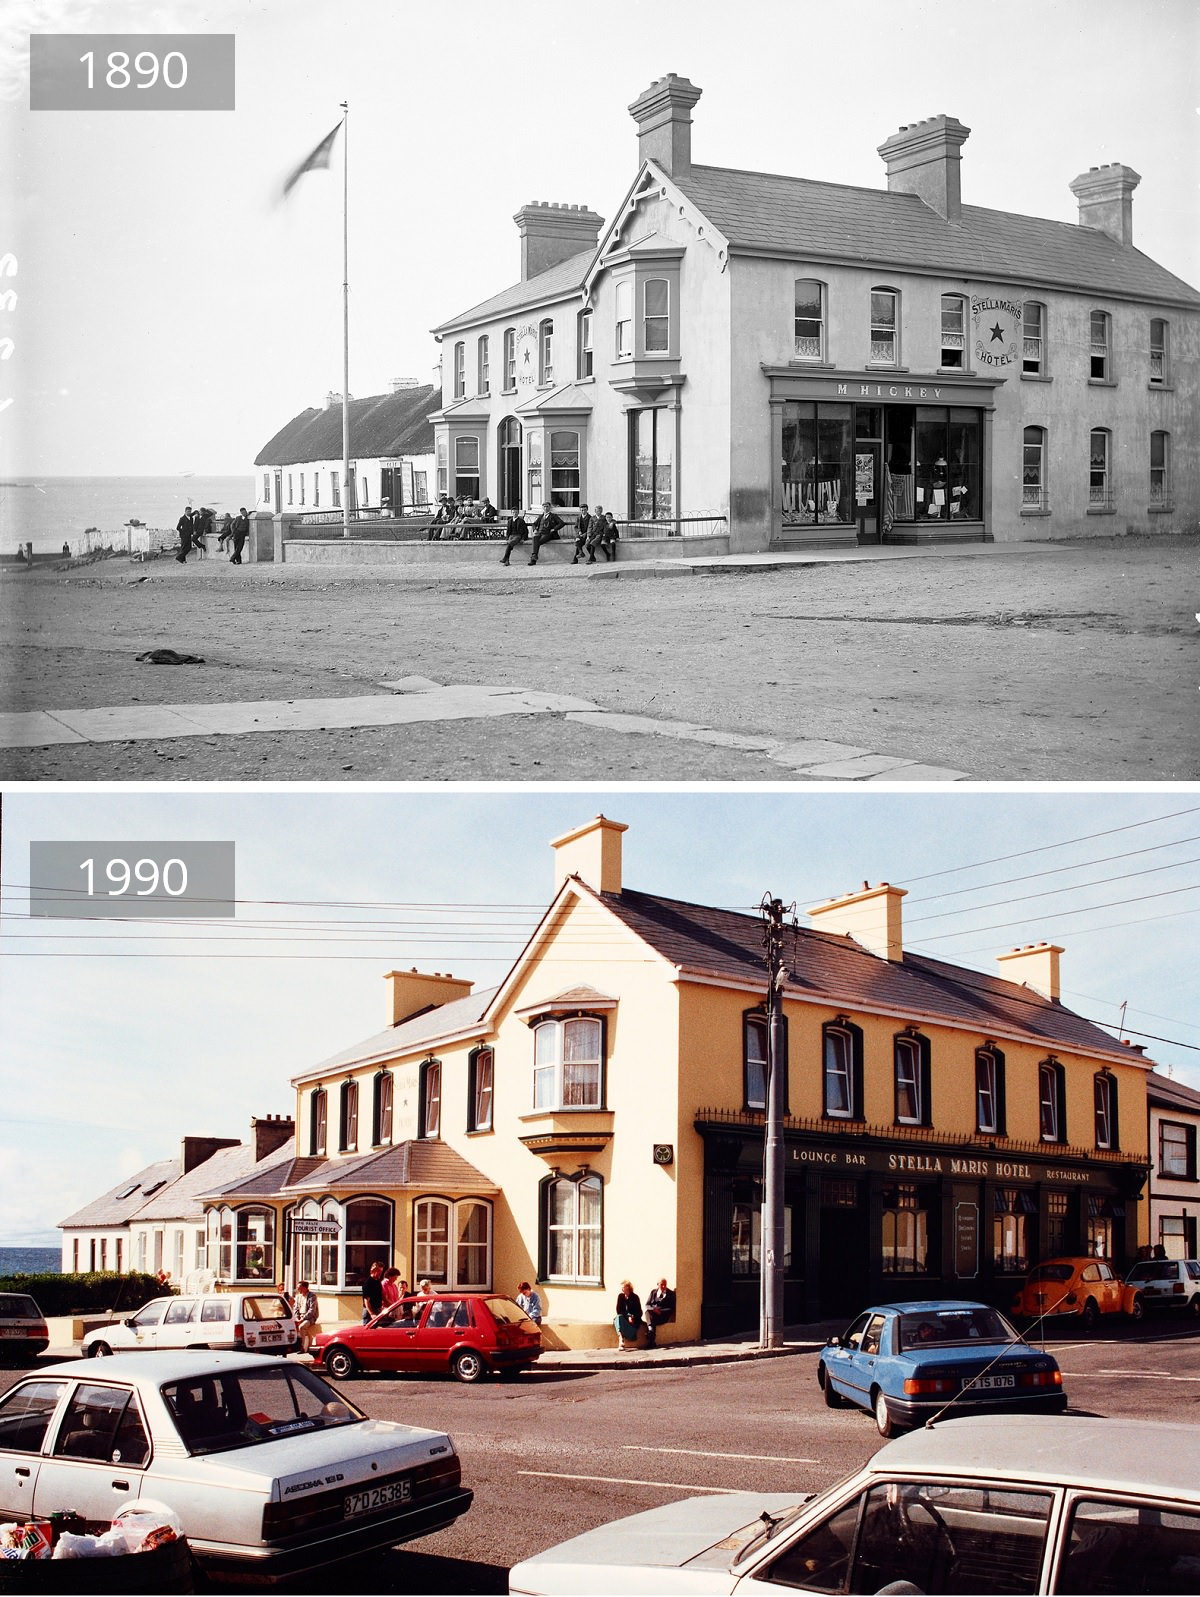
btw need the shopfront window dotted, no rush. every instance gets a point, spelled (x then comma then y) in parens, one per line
(947, 461)
(905, 1229)
(818, 464)
(564, 469)
(368, 1236)
(1011, 1224)
(652, 464)
(1099, 1229)
(746, 1239)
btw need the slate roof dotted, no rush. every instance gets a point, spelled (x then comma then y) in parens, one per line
(383, 424)
(114, 1209)
(427, 1164)
(461, 1014)
(837, 971)
(838, 222)
(1168, 1094)
(553, 283)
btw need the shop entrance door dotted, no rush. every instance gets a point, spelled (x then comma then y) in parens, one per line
(844, 1248)
(868, 491)
(510, 465)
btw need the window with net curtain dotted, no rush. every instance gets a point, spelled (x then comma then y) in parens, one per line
(567, 1064)
(571, 1240)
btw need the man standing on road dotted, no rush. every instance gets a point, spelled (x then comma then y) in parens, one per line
(372, 1291)
(185, 527)
(239, 532)
(304, 1307)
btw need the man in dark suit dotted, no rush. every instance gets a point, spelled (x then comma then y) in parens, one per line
(518, 531)
(185, 527)
(239, 531)
(582, 528)
(546, 527)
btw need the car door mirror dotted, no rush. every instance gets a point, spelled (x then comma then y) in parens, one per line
(834, 1341)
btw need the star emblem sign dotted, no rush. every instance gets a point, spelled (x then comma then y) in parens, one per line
(997, 333)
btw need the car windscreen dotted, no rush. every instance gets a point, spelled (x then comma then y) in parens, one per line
(937, 1327)
(1052, 1272)
(505, 1312)
(227, 1409)
(15, 1306)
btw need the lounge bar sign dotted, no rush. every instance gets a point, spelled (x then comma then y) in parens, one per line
(997, 333)
(922, 1163)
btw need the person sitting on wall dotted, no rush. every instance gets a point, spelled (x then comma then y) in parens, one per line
(518, 532)
(488, 511)
(660, 1307)
(545, 529)
(608, 535)
(441, 517)
(629, 1317)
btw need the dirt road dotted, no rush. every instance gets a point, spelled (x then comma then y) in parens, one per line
(1079, 661)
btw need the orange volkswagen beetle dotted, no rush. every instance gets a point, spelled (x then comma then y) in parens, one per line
(1086, 1287)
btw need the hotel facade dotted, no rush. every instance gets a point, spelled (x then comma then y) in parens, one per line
(775, 361)
(599, 1115)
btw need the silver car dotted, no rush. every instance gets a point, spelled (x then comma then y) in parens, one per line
(1003, 1503)
(267, 1466)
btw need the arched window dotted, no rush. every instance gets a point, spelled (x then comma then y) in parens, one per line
(460, 370)
(1104, 1093)
(381, 1107)
(480, 1070)
(885, 327)
(571, 1229)
(910, 1052)
(452, 1243)
(546, 352)
(954, 332)
(1100, 496)
(1033, 347)
(483, 380)
(842, 1045)
(429, 1119)
(810, 319)
(1033, 470)
(510, 359)
(1052, 1101)
(1100, 358)
(348, 1117)
(989, 1090)
(318, 1254)
(318, 1122)
(568, 1064)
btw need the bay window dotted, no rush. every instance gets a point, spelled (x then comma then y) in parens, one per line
(452, 1243)
(656, 317)
(466, 468)
(564, 469)
(568, 1064)
(651, 464)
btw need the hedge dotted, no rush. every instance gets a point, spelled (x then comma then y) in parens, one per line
(90, 1292)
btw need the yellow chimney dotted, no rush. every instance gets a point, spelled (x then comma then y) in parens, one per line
(871, 916)
(1035, 965)
(591, 852)
(413, 991)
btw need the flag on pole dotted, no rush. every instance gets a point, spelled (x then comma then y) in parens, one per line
(319, 158)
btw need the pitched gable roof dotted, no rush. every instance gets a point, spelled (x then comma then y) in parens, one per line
(381, 425)
(838, 222)
(1169, 1094)
(123, 1200)
(459, 1015)
(556, 282)
(427, 1164)
(835, 970)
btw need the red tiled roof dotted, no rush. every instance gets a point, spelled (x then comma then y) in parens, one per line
(840, 973)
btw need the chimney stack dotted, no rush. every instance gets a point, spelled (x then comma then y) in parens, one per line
(871, 917)
(553, 233)
(591, 852)
(271, 1134)
(194, 1151)
(414, 992)
(1035, 966)
(923, 159)
(664, 123)
(1105, 195)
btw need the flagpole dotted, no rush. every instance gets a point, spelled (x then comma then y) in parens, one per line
(347, 485)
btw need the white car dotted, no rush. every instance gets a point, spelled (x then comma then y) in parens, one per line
(259, 1322)
(1004, 1503)
(267, 1466)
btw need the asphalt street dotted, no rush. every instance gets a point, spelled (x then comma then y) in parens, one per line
(561, 1450)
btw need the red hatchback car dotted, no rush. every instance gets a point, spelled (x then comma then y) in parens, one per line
(468, 1334)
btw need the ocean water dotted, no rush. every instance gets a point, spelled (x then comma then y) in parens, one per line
(46, 511)
(30, 1261)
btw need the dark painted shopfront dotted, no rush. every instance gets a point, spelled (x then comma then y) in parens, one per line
(881, 1219)
(897, 461)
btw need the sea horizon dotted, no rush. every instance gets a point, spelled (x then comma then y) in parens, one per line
(48, 509)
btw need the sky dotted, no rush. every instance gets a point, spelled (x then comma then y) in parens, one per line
(122, 1039)
(169, 317)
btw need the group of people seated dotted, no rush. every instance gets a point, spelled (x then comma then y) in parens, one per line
(630, 1322)
(461, 518)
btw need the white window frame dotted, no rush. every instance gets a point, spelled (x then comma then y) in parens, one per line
(1033, 492)
(1033, 338)
(656, 322)
(838, 1070)
(1160, 474)
(546, 352)
(460, 369)
(880, 325)
(1160, 353)
(579, 1234)
(585, 358)
(1103, 1102)
(1100, 347)
(623, 319)
(510, 360)
(907, 1063)
(439, 1252)
(953, 306)
(551, 1088)
(987, 1102)
(803, 343)
(754, 1061)
(1100, 495)
(1049, 1106)
(483, 380)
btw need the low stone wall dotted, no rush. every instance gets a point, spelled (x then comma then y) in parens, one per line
(350, 552)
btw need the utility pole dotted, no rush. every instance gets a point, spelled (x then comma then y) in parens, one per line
(772, 1261)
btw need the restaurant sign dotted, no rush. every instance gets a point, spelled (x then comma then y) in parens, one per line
(975, 1167)
(997, 333)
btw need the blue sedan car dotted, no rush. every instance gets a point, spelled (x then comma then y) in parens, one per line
(906, 1363)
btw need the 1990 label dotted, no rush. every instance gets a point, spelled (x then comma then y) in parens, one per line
(131, 71)
(150, 881)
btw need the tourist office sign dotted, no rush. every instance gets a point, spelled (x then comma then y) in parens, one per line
(315, 1228)
(903, 1163)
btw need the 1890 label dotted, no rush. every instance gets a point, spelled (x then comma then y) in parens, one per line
(131, 71)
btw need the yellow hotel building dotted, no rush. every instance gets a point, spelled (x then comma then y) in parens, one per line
(599, 1116)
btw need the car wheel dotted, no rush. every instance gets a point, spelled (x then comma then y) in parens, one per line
(340, 1363)
(832, 1399)
(99, 1350)
(884, 1423)
(469, 1366)
(1091, 1316)
(1193, 1307)
(1137, 1309)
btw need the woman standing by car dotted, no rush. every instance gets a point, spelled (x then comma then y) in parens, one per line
(629, 1317)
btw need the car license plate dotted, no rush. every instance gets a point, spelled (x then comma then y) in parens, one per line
(13, 1330)
(992, 1382)
(269, 1336)
(366, 1502)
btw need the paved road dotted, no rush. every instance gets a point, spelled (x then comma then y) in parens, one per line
(560, 1451)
